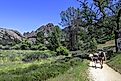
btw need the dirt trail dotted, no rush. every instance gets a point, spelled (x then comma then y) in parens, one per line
(104, 74)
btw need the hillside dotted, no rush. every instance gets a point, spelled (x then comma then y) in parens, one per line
(8, 36)
(33, 34)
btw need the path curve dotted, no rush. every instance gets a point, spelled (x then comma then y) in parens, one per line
(104, 74)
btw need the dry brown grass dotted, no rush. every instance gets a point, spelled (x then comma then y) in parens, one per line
(107, 44)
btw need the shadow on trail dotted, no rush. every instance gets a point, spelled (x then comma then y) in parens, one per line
(96, 66)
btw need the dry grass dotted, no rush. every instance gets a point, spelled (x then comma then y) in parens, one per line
(107, 44)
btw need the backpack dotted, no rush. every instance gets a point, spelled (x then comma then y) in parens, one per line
(101, 54)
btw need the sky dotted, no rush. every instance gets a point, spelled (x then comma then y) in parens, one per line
(28, 15)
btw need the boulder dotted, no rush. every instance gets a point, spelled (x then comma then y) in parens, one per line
(8, 36)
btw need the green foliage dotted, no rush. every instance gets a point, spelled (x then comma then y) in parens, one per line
(16, 47)
(25, 44)
(93, 45)
(24, 56)
(24, 47)
(115, 62)
(42, 47)
(34, 47)
(38, 47)
(40, 37)
(77, 73)
(62, 51)
(7, 47)
(105, 38)
(69, 16)
(54, 38)
(37, 72)
(37, 56)
(99, 22)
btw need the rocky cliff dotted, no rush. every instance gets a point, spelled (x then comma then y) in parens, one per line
(8, 36)
(44, 28)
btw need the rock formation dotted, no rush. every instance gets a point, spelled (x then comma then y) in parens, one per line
(8, 36)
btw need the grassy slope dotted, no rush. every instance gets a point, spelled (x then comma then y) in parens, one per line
(115, 63)
(77, 73)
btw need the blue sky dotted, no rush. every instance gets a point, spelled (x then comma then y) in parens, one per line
(28, 15)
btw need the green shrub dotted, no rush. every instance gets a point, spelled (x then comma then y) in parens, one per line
(34, 47)
(16, 47)
(38, 55)
(38, 72)
(93, 45)
(24, 47)
(101, 41)
(115, 62)
(105, 38)
(42, 47)
(110, 54)
(39, 47)
(62, 51)
(6, 47)
(33, 57)
(49, 52)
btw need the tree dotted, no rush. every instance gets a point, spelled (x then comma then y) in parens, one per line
(115, 8)
(93, 45)
(97, 20)
(25, 44)
(99, 16)
(54, 38)
(70, 18)
(40, 37)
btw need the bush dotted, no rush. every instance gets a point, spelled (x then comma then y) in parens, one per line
(16, 47)
(42, 47)
(24, 47)
(38, 72)
(38, 55)
(62, 51)
(34, 47)
(105, 38)
(93, 45)
(110, 54)
(100, 41)
(38, 47)
(6, 47)
(49, 52)
(34, 56)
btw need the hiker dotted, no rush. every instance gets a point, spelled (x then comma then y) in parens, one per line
(101, 58)
(95, 58)
(91, 57)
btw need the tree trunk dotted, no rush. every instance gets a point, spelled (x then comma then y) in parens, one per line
(117, 32)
